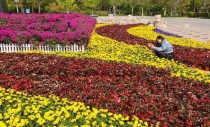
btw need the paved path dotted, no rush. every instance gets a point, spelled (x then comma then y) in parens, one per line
(198, 28)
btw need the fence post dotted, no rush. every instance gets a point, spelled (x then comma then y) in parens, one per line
(83, 48)
(23, 46)
(72, 48)
(8, 48)
(58, 47)
(75, 48)
(3, 47)
(12, 48)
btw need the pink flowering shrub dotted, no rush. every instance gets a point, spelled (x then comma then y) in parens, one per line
(61, 29)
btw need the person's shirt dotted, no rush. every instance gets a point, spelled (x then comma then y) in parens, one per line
(166, 47)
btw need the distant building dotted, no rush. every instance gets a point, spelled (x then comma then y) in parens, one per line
(3, 6)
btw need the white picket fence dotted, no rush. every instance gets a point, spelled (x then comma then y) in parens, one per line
(44, 48)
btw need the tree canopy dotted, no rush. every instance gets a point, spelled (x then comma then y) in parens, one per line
(134, 7)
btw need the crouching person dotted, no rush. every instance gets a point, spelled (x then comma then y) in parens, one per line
(164, 50)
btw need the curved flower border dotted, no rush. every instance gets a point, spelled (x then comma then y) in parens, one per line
(19, 109)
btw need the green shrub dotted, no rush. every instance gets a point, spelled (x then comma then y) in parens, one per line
(102, 13)
(201, 14)
(197, 14)
(190, 14)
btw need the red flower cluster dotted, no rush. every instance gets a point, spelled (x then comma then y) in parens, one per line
(147, 92)
(186, 55)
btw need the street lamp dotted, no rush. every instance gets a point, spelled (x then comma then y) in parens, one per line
(16, 4)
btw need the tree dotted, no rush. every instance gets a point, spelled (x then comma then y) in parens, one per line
(63, 5)
(3, 6)
(104, 5)
(132, 4)
(142, 4)
(182, 6)
(115, 4)
(196, 5)
(40, 3)
(165, 5)
(206, 5)
(171, 5)
(91, 4)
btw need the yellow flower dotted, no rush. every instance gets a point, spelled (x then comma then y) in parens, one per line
(31, 117)
(73, 120)
(2, 124)
(8, 98)
(87, 122)
(56, 121)
(110, 114)
(49, 115)
(94, 123)
(41, 121)
(121, 123)
(103, 124)
(103, 115)
(146, 124)
(16, 120)
(22, 123)
(85, 126)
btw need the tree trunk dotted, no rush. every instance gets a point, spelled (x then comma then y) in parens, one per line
(16, 4)
(114, 10)
(3, 6)
(32, 9)
(39, 6)
(171, 13)
(165, 12)
(23, 10)
(142, 11)
(132, 9)
(194, 5)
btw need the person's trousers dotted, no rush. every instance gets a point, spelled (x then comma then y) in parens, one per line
(165, 55)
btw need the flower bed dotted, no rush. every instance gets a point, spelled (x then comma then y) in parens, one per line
(162, 97)
(139, 31)
(43, 29)
(186, 55)
(104, 48)
(21, 110)
(149, 93)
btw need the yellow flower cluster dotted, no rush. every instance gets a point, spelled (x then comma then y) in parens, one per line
(20, 110)
(151, 35)
(104, 48)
